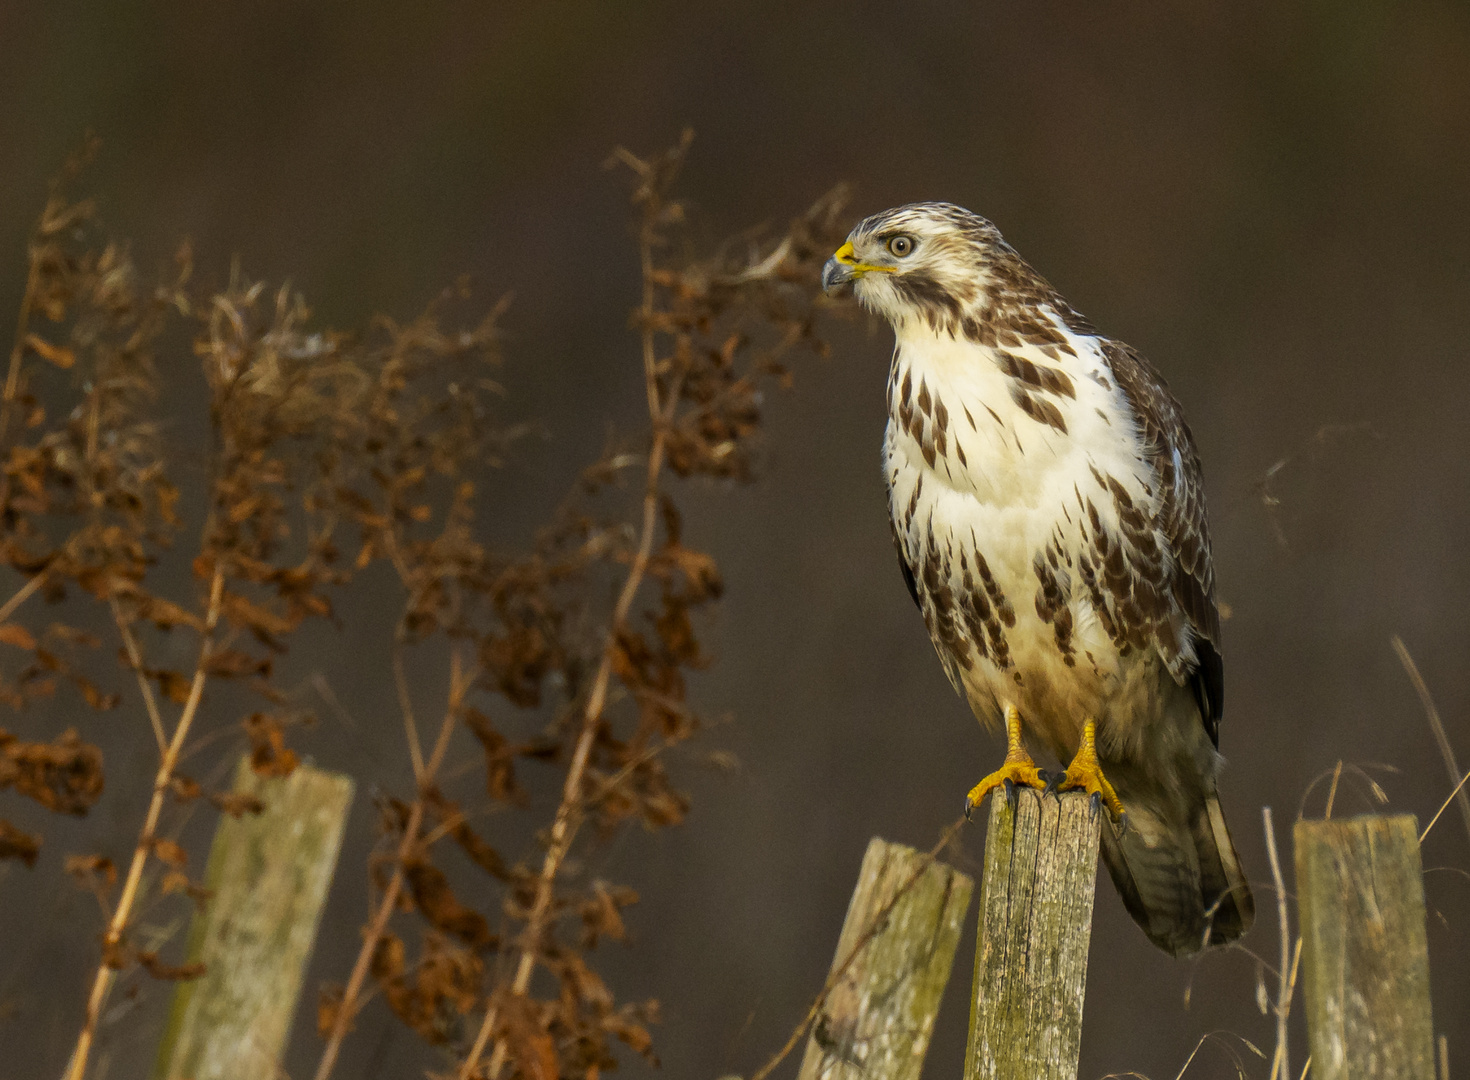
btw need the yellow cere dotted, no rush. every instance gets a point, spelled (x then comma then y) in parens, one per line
(844, 256)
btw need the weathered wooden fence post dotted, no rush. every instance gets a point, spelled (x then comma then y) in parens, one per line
(879, 1013)
(270, 873)
(1035, 927)
(1365, 958)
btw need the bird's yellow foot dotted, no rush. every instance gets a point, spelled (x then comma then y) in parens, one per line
(1085, 774)
(1018, 770)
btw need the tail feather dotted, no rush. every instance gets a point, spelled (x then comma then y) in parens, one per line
(1175, 866)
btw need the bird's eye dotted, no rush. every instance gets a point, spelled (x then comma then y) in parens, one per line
(901, 245)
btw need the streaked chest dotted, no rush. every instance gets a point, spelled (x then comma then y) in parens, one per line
(1000, 466)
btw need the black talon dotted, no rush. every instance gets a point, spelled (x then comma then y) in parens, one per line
(968, 808)
(1094, 804)
(1053, 783)
(1013, 796)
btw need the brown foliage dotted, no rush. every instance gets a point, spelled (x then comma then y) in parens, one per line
(330, 453)
(268, 753)
(64, 776)
(18, 844)
(443, 986)
(711, 330)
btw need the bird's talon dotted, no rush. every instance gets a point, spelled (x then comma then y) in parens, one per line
(1017, 771)
(1085, 774)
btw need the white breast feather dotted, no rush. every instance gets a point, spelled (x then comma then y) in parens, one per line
(1022, 484)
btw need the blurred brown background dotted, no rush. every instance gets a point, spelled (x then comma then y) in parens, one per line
(1268, 199)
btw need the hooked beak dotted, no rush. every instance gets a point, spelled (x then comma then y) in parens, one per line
(843, 268)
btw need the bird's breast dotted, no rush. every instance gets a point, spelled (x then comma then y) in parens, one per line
(998, 469)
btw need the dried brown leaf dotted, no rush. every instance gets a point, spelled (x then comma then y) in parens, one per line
(500, 775)
(17, 844)
(59, 355)
(171, 973)
(17, 635)
(233, 663)
(92, 871)
(165, 614)
(172, 684)
(268, 753)
(64, 776)
(436, 900)
(328, 1008)
(529, 1045)
(170, 852)
(176, 881)
(237, 805)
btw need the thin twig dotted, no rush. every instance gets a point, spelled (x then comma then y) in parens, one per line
(1445, 750)
(135, 659)
(1281, 1063)
(1332, 791)
(869, 932)
(161, 783)
(22, 326)
(568, 812)
(1459, 788)
(22, 594)
(405, 705)
(460, 682)
(564, 826)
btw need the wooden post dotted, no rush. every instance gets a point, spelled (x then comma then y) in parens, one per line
(1365, 959)
(1035, 926)
(878, 1015)
(269, 873)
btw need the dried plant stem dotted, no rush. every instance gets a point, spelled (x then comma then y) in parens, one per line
(564, 827)
(386, 903)
(161, 782)
(840, 970)
(1459, 789)
(460, 682)
(135, 658)
(1332, 791)
(405, 705)
(18, 349)
(568, 812)
(22, 594)
(1436, 725)
(1281, 1062)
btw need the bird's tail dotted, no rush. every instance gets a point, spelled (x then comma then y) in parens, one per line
(1175, 865)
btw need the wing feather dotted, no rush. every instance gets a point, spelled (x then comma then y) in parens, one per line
(1181, 521)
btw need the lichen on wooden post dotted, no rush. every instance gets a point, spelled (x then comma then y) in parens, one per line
(1035, 927)
(269, 873)
(1365, 956)
(878, 1014)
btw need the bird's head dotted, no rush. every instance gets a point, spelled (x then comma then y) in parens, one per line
(923, 261)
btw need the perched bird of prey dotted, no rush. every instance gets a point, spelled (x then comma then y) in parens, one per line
(1047, 505)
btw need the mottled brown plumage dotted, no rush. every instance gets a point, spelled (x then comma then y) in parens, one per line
(1047, 505)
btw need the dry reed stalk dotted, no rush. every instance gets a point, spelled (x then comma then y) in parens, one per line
(459, 685)
(112, 940)
(1436, 725)
(568, 812)
(24, 593)
(1290, 958)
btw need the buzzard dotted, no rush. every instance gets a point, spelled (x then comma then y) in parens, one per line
(1047, 506)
